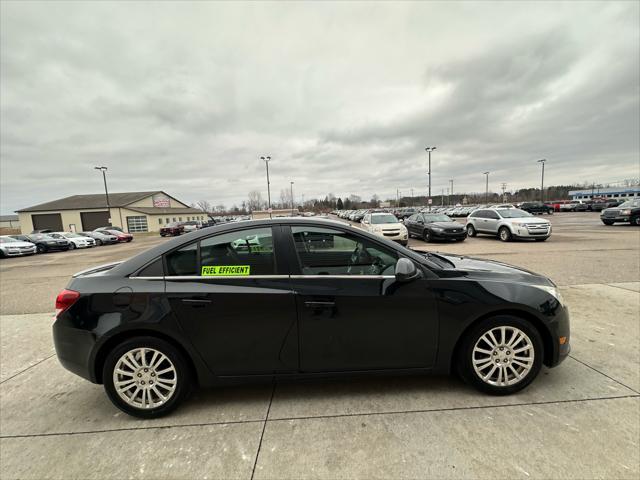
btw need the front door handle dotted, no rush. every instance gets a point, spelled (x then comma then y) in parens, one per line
(319, 304)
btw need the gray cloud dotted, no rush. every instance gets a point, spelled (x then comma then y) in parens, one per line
(186, 96)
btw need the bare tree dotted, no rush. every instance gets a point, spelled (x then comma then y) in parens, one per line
(255, 200)
(285, 198)
(204, 206)
(221, 208)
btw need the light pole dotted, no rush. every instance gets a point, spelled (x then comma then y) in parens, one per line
(106, 190)
(291, 197)
(266, 162)
(486, 191)
(504, 195)
(451, 181)
(542, 160)
(429, 150)
(397, 198)
(412, 197)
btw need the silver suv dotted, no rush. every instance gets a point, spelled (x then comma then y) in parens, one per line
(507, 224)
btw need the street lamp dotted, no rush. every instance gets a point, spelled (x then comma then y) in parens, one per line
(266, 162)
(106, 190)
(542, 160)
(486, 192)
(291, 197)
(451, 181)
(429, 150)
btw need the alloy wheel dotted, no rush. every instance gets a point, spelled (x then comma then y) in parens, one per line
(503, 356)
(145, 378)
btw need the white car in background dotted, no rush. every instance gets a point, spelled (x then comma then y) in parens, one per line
(386, 225)
(507, 224)
(75, 239)
(10, 247)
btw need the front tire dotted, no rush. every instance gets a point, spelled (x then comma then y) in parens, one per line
(41, 249)
(635, 221)
(607, 222)
(471, 231)
(501, 355)
(146, 377)
(505, 234)
(99, 242)
(426, 236)
(72, 246)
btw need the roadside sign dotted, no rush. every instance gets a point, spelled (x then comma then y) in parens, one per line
(430, 201)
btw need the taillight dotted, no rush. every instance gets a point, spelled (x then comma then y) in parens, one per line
(65, 299)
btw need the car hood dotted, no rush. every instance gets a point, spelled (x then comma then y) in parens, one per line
(19, 244)
(387, 226)
(493, 270)
(447, 225)
(528, 221)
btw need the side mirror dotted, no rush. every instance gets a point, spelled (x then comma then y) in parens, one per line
(406, 270)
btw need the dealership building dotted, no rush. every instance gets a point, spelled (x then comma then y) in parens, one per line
(131, 211)
(614, 193)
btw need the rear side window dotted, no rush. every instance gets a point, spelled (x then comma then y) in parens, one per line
(236, 254)
(477, 214)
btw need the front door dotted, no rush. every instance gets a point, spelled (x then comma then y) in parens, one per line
(353, 314)
(235, 302)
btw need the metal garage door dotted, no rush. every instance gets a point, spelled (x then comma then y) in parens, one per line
(52, 221)
(93, 220)
(137, 224)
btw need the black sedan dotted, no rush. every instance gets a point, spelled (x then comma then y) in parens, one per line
(45, 243)
(295, 298)
(433, 226)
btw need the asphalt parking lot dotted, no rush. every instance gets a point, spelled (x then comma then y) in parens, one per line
(579, 420)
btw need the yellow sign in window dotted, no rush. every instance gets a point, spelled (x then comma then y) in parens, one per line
(226, 270)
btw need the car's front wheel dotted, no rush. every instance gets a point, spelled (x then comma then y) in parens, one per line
(635, 221)
(501, 355)
(72, 246)
(607, 222)
(426, 235)
(146, 377)
(471, 231)
(99, 242)
(41, 249)
(505, 234)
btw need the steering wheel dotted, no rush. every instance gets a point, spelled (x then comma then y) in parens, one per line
(360, 257)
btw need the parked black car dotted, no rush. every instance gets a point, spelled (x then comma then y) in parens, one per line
(297, 297)
(44, 243)
(599, 206)
(628, 211)
(434, 226)
(536, 207)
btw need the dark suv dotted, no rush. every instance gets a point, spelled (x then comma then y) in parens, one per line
(536, 207)
(628, 211)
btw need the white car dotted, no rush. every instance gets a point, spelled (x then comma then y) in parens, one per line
(386, 225)
(507, 224)
(10, 247)
(75, 239)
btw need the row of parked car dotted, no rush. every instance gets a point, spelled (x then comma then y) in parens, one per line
(45, 241)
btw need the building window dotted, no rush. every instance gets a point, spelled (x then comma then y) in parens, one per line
(137, 224)
(174, 219)
(166, 220)
(160, 221)
(179, 219)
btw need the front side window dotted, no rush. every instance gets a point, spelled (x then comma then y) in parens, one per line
(325, 251)
(514, 213)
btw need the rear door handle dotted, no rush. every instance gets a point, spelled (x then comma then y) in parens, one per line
(196, 301)
(319, 304)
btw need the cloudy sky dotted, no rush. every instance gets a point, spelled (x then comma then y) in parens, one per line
(185, 97)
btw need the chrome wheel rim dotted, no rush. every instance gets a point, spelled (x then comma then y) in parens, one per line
(145, 378)
(503, 356)
(504, 235)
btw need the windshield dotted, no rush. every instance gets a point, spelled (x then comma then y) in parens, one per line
(513, 213)
(376, 219)
(8, 240)
(40, 236)
(437, 218)
(630, 204)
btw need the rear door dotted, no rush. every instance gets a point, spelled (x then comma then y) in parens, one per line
(352, 313)
(232, 296)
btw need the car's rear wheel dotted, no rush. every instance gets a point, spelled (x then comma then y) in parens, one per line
(471, 231)
(146, 377)
(426, 235)
(607, 222)
(505, 234)
(501, 355)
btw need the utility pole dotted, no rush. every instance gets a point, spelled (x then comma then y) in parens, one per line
(451, 182)
(442, 198)
(542, 161)
(429, 150)
(106, 190)
(412, 197)
(291, 197)
(266, 162)
(486, 191)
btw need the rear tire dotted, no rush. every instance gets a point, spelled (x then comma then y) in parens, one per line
(512, 350)
(505, 234)
(162, 364)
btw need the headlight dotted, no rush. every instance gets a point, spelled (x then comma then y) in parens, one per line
(552, 291)
(626, 212)
(438, 229)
